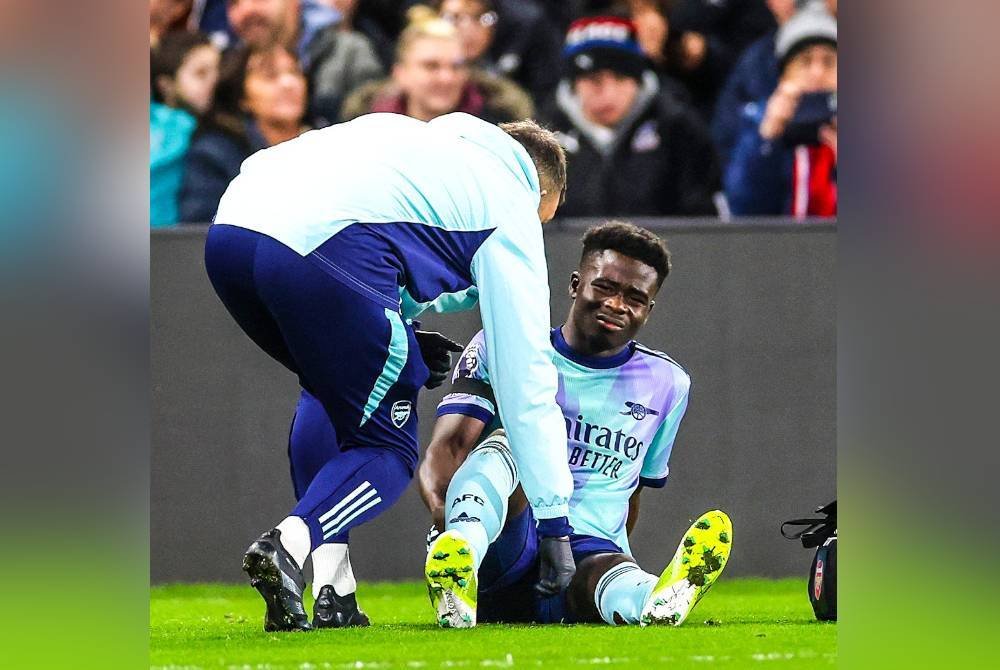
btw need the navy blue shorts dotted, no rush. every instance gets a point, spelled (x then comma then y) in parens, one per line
(509, 572)
(350, 351)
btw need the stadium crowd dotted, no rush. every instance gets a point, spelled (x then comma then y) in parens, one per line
(664, 107)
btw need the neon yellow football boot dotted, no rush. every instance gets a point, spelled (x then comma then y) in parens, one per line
(697, 563)
(451, 580)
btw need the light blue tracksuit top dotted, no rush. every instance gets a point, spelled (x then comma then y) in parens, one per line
(462, 197)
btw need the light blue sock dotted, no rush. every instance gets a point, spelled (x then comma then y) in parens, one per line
(477, 496)
(621, 592)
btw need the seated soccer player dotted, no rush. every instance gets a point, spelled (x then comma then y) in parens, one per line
(622, 403)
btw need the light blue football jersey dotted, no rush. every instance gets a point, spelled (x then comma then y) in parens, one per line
(621, 417)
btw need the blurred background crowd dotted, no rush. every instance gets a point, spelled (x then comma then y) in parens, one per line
(717, 108)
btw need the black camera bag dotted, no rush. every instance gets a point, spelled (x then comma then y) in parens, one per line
(822, 534)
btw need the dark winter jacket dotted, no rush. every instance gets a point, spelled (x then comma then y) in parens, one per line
(660, 161)
(755, 77)
(729, 26)
(335, 63)
(526, 49)
(213, 160)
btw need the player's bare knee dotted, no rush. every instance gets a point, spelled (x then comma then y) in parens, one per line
(580, 594)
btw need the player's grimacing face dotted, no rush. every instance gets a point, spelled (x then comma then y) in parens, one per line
(612, 297)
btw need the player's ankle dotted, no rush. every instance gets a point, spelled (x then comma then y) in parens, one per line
(295, 538)
(331, 566)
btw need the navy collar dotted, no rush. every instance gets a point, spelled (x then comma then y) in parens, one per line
(597, 362)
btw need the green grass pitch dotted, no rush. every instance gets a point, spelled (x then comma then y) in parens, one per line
(741, 623)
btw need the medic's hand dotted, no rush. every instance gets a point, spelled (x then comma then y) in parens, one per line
(557, 565)
(436, 351)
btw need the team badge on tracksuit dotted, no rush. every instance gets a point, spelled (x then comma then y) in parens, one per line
(400, 413)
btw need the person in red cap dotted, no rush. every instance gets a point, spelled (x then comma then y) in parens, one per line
(635, 149)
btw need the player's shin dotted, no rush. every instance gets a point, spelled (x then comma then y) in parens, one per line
(621, 593)
(476, 505)
(351, 489)
(475, 512)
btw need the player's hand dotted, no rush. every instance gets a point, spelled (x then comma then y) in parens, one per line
(557, 566)
(436, 350)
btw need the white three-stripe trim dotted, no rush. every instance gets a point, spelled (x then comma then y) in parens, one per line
(800, 203)
(356, 514)
(347, 500)
(350, 509)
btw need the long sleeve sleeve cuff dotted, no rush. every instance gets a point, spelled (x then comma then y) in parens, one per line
(555, 527)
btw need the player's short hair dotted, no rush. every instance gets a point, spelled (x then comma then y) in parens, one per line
(545, 151)
(629, 240)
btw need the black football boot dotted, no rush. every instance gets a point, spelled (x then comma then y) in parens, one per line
(333, 611)
(278, 579)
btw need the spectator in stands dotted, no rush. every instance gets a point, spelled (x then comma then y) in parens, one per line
(561, 13)
(632, 149)
(704, 41)
(334, 61)
(785, 158)
(754, 77)
(652, 29)
(167, 16)
(209, 16)
(431, 78)
(184, 69)
(260, 101)
(381, 24)
(510, 38)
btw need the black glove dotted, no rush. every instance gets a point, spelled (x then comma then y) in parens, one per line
(557, 565)
(436, 350)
